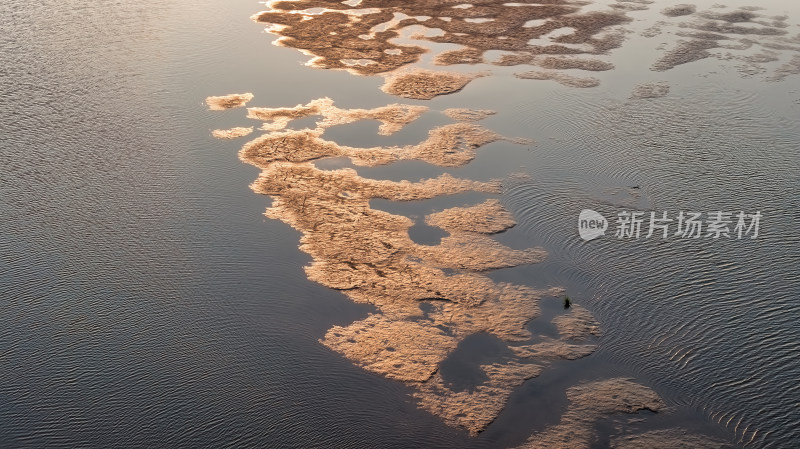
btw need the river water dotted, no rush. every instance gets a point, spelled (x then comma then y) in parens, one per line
(147, 302)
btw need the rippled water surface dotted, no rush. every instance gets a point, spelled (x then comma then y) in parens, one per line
(147, 302)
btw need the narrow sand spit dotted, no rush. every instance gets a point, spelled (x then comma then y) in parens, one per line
(422, 84)
(399, 349)
(428, 298)
(232, 133)
(463, 56)
(392, 117)
(489, 217)
(228, 101)
(578, 325)
(474, 410)
(340, 33)
(450, 145)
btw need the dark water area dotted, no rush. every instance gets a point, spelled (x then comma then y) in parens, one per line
(147, 302)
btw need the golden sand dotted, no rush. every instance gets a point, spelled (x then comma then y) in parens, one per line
(474, 410)
(463, 56)
(588, 403)
(339, 34)
(398, 349)
(469, 251)
(228, 101)
(428, 298)
(368, 255)
(488, 217)
(449, 145)
(592, 401)
(577, 325)
(503, 311)
(392, 117)
(425, 84)
(232, 133)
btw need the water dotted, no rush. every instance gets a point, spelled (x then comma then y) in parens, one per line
(147, 302)
(717, 315)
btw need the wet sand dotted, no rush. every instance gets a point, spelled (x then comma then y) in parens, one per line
(429, 298)
(230, 101)
(368, 255)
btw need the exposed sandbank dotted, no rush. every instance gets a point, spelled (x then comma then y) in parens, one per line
(449, 146)
(393, 117)
(369, 256)
(468, 115)
(228, 101)
(232, 133)
(589, 402)
(339, 33)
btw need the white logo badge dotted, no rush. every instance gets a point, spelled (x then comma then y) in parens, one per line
(591, 225)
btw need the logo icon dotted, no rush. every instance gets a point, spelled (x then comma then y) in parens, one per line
(591, 225)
